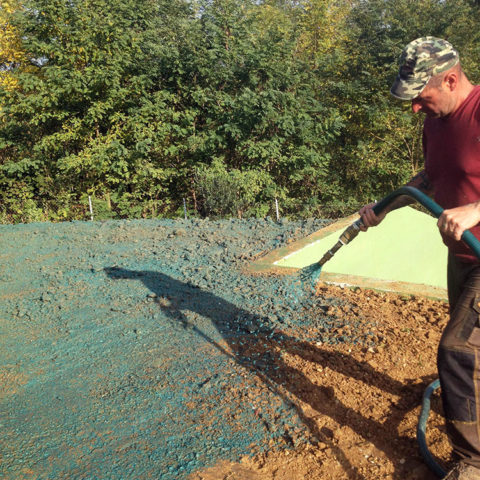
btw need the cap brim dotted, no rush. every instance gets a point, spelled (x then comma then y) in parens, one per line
(404, 90)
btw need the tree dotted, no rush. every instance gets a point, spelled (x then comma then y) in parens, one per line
(263, 111)
(78, 123)
(380, 146)
(128, 100)
(12, 54)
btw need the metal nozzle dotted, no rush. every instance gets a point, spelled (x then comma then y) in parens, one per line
(346, 237)
(351, 232)
(326, 258)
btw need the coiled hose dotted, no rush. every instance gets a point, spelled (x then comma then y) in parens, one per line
(421, 427)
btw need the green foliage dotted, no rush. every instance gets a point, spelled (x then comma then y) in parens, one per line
(228, 104)
(381, 141)
(232, 193)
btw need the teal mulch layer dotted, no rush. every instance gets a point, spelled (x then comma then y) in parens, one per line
(142, 349)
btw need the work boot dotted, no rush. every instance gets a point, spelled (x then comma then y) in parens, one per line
(463, 471)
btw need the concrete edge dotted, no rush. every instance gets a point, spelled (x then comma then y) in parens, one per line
(264, 264)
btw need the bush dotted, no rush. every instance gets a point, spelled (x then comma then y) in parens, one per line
(223, 193)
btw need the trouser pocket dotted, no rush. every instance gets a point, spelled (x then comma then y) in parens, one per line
(456, 369)
(457, 364)
(468, 323)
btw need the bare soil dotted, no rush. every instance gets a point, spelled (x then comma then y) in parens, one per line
(362, 402)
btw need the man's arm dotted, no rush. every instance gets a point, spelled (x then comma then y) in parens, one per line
(419, 181)
(452, 222)
(422, 182)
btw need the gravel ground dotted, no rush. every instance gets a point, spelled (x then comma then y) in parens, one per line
(142, 349)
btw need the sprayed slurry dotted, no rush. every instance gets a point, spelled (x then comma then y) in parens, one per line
(139, 349)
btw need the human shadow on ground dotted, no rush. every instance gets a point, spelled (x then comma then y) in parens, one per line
(250, 336)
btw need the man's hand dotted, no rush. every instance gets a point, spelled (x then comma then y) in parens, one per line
(369, 218)
(455, 221)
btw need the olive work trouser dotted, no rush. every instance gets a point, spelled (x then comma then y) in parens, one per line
(459, 361)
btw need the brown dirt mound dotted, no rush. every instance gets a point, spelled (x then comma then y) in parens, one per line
(364, 401)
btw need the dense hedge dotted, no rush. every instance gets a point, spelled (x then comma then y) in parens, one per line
(227, 104)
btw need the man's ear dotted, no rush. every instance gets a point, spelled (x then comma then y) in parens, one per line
(451, 81)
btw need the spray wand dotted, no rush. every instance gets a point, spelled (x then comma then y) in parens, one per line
(346, 237)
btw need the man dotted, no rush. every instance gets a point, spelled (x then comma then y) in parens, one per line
(432, 79)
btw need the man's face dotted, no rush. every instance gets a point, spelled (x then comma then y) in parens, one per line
(435, 102)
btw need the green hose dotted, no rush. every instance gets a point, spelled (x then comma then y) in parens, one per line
(430, 205)
(313, 272)
(474, 245)
(421, 427)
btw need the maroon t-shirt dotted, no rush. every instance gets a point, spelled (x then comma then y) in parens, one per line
(452, 162)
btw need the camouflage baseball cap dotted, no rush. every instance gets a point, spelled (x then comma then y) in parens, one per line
(422, 59)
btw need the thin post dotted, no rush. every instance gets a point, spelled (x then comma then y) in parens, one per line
(90, 205)
(185, 207)
(276, 209)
